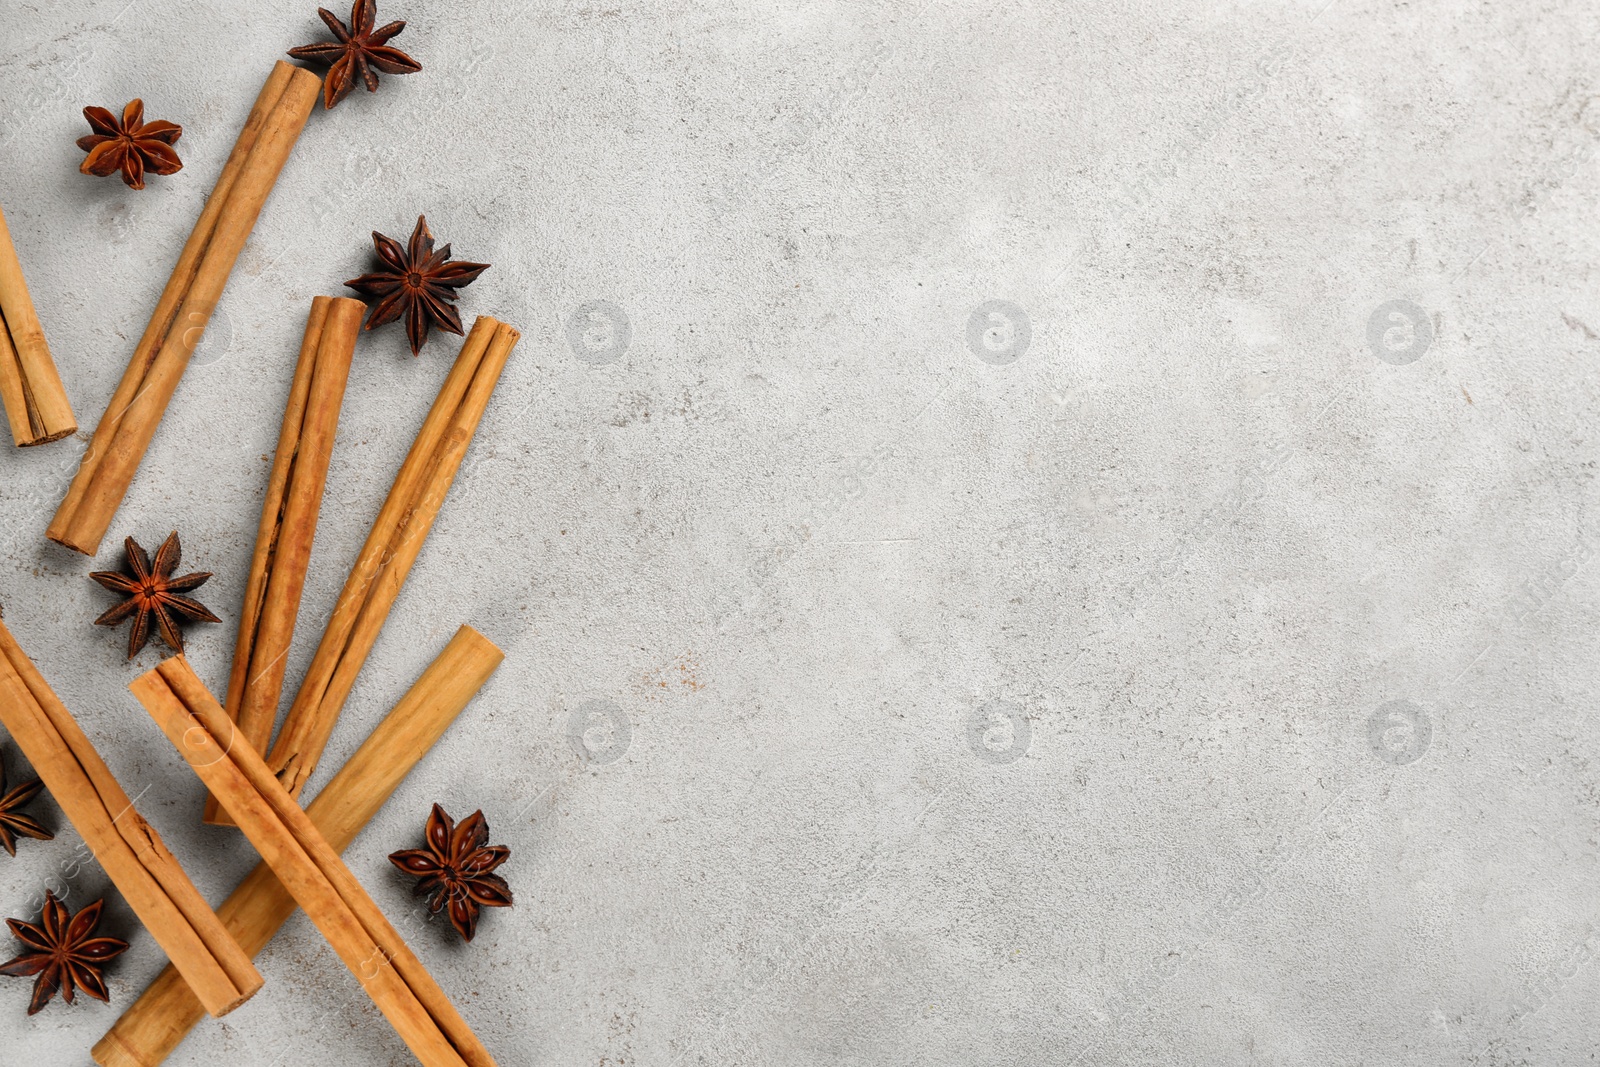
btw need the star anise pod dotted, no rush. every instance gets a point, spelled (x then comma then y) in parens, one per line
(455, 869)
(416, 282)
(154, 592)
(359, 49)
(65, 956)
(130, 145)
(12, 821)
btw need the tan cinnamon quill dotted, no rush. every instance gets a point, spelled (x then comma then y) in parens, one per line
(152, 1028)
(30, 388)
(185, 307)
(397, 536)
(147, 875)
(309, 868)
(289, 521)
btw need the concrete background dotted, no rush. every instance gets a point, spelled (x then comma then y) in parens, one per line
(1023, 532)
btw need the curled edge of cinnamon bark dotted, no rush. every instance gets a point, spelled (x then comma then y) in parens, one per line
(147, 875)
(288, 526)
(397, 536)
(309, 867)
(152, 1028)
(191, 295)
(31, 392)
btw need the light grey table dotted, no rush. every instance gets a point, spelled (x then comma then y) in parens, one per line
(1023, 533)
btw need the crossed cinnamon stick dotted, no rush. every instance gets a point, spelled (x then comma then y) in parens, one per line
(152, 1028)
(148, 876)
(308, 867)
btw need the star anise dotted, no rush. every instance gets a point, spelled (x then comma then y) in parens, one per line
(12, 821)
(416, 282)
(455, 869)
(130, 145)
(154, 592)
(359, 49)
(65, 956)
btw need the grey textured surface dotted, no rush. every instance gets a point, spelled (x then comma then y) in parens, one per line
(1187, 660)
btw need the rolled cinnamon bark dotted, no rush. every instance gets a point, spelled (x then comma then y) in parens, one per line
(289, 522)
(30, 387)
(145, 873)
(397, 536)
(184, 309)
(309, 868)
(152, 1028)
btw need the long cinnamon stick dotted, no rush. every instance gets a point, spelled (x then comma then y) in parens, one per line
(289, 522)
(152, 1028)
(148, 876)
(397, 536)
(30, 387)
(185, 307)
(309, 868)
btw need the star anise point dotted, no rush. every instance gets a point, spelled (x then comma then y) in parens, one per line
(129, 144)
(416, 283)
(456, 869)
(13, 823)
(64, 955)
(153, 594)
(359, 49)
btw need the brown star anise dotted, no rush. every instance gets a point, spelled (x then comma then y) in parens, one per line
(358, 49)
(455, 869)
(153, 591)
(131, 145)
(12, 821)
(416, 282)
(64, 956)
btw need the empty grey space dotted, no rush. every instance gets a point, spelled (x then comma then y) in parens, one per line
(1023, 533)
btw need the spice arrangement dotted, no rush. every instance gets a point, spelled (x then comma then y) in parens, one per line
(254, 782)
(184, 309)
(307, 866)
(148, 876)
(168, 1010)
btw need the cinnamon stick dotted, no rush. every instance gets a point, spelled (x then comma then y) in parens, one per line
(185, 307)
(154, 1025)
(391, 548)
(289, 522)
(309, 868)
(148, 876)
(30, 387)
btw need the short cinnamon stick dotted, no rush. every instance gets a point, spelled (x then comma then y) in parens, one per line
(289, 522)
(185, 307)
(148, 876)
(309, 868)
(30, 387)
(391, 548)
(153, 1027)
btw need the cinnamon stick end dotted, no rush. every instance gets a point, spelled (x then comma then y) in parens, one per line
(217, 815)
(218, 1011)
(109, 1051)
(64, 539)
(48, 438)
